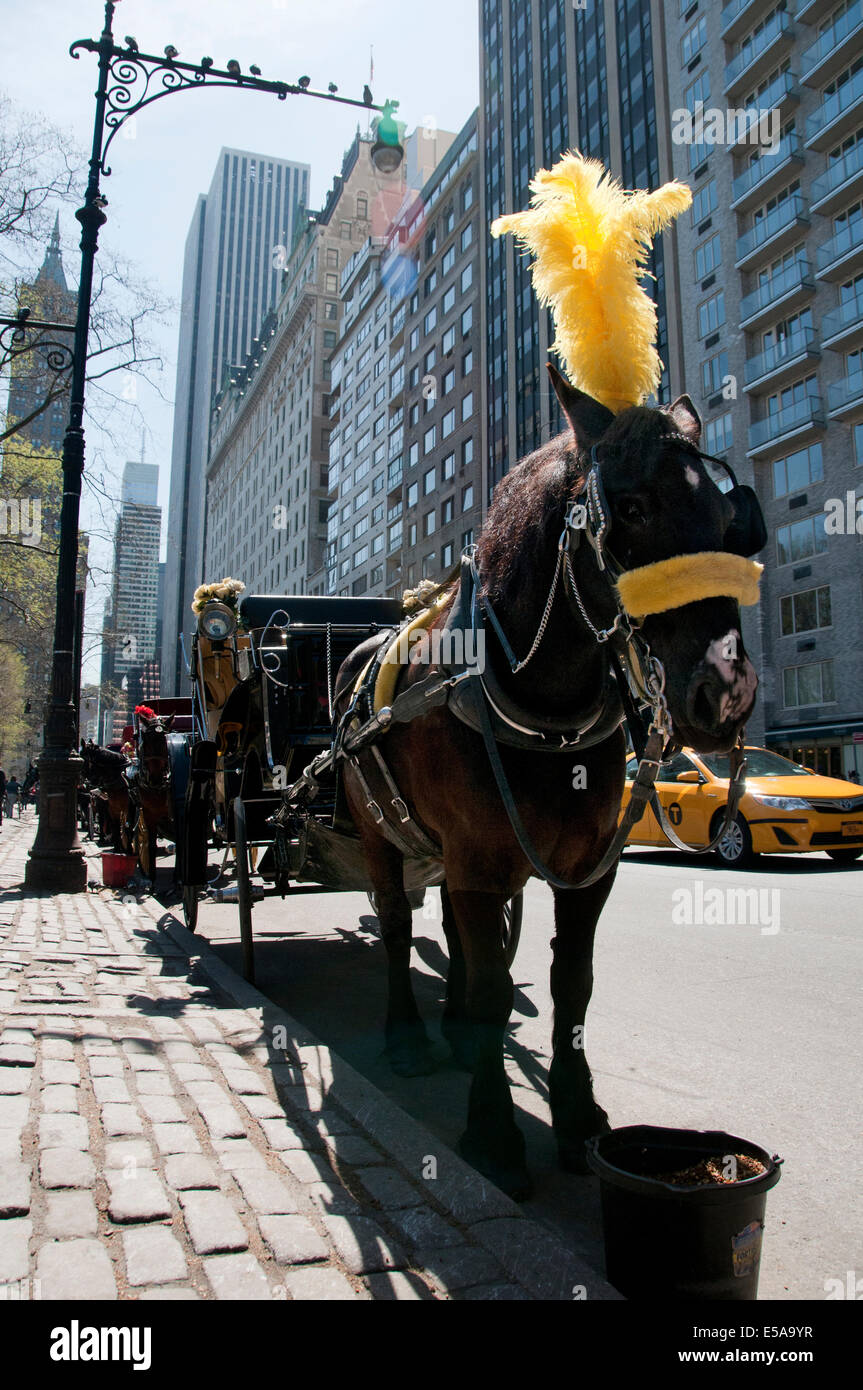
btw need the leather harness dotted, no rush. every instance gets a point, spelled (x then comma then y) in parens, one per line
(633, 677)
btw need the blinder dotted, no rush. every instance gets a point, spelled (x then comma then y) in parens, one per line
(745, 535)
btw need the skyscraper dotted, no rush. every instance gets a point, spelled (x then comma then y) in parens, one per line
(129, 627)
(31, 384)
(554, 76)
(231, 277)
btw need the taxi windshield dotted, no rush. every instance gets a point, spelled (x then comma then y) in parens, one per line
(759, 763)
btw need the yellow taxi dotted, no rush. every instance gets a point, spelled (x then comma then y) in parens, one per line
(785, 809)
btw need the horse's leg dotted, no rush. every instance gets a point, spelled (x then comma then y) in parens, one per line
(454, 1025)
(408, 1046)
(575, 1114)
(492, 1142)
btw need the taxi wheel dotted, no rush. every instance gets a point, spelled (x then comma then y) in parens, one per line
(734, 850)
(844, 856)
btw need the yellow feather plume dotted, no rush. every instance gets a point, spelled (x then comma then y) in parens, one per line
(590, 241)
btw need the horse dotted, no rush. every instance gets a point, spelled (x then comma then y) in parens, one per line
(657, 501)
(151, 790)
(108, 792)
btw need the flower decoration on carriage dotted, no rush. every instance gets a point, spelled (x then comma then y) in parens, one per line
(590, 241)
(144, 712)
(226, 591)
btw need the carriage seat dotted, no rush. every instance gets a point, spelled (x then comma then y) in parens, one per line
(256, 610)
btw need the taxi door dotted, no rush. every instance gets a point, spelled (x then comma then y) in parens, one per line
(685, 804)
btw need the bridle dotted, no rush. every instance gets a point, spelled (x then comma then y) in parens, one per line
(145, 776)
(638, 672)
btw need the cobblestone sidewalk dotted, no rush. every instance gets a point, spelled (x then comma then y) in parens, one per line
(165, 1133)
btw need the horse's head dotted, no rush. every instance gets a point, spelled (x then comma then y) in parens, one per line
(153, 754)
(661, 505)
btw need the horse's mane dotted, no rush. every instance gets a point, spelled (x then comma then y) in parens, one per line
(529, 502)
(105, 758)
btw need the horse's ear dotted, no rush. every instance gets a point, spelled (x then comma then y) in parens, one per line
(168, 724)
(686, 418)
(588, 419)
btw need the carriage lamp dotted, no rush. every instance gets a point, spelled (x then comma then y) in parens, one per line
(217, 622)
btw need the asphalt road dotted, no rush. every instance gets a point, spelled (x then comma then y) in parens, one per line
(709, 1011)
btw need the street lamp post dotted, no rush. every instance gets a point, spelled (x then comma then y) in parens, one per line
(128, 81)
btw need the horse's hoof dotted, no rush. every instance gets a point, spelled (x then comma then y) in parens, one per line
(512, 1178)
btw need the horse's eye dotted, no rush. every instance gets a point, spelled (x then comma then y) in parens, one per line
(630, 511)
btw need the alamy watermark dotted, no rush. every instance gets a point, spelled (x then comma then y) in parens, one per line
(699, 906)
(21, 516)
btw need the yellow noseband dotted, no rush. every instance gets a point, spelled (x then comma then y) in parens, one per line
(687, 579)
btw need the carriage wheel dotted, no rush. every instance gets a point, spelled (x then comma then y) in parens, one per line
(244, 889)
(513, 912)
(190, 905)
(144, 849)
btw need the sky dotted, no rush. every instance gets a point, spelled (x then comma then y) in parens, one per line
(425, 56)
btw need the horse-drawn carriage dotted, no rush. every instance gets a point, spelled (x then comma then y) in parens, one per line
(263, 679)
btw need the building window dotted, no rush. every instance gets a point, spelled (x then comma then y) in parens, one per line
(467, 451)
(429, 359)
(797, 470)
(467, 196)
(467, 236)
(808, 685)
(448, 301)
(428, 482)
(413, 493)
(446, 511)
(448, 382)
(362, 207)
(430, 321)
(467, 321)
(711, 314)
(466, 538)
(704, 202)
(429, 439)
(467, 363)
(429, 565)
(331, 310)
(431, 244)
(806, 611)
(448, 342)
(430, 284)
(466, 278)
(332, 258)
(446, 556)
(713, 373)
(346, 231)
(429, 523)
(707, 256)
(467, 406)
(801, 539)
(447, 261)
(447, 424)
(718, 434)
(332, 283)
(693, 40)
(413, 454)
(467, 498)
(448, 467)
(414, 340)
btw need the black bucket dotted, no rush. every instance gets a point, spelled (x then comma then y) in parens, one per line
(662, 1241)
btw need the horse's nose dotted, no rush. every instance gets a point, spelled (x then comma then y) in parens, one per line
(722, 689)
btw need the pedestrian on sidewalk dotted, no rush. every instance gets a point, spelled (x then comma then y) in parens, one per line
(13, 796)
(2, 793)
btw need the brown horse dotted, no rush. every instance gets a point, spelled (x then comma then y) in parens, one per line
(108, 792)
(151, 790)
(661, 503)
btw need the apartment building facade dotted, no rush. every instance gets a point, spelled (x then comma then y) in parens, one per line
(556, 76)
(379, 392)
(771, 275)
